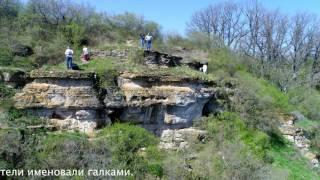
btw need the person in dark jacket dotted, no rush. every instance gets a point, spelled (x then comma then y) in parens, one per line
(142, 39)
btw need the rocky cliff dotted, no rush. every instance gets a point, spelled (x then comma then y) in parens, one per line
(162, 102)
(70, 100)
(67, 99)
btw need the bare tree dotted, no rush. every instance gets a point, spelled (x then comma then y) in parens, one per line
(232, 22)
(253, 14)
(299, 41)
(221, 23)
(201, 22)
(274, 39)
(53, 12)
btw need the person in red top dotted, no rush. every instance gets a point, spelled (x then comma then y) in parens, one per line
(85, 51)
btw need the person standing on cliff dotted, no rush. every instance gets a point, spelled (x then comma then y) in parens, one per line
(142, 39)
(85, 52)
(69, 55)
(149, 41)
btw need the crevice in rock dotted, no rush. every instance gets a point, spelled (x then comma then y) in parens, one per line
(211, 107)
(55, 115)
(114, 114)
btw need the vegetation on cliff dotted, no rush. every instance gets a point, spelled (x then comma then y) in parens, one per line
(244, 142)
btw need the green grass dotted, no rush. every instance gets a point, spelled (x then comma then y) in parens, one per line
(105, 68)
(307, 101)
(265, 91)
(126, 141)
(118, 46)
(234, 129)
(307, 124)
(179, 72)
(283, 156)
(286, 157)
(6, 97)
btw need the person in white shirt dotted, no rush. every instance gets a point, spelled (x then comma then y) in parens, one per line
(69, 55)
(85, 53)
(148, 41)
(205, 68)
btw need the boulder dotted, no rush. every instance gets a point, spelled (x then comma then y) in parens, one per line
(297, 116)
(181, 139)
(155, 58)
(13, 76)
(86, 126)
(191, 58)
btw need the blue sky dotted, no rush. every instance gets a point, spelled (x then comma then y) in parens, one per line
(173, 15)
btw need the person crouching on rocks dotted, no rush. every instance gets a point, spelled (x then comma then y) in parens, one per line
(69, 55)
(204, 68)
(85, 52)
(149, 41)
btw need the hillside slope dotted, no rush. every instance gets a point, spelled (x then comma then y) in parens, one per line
(241, 132)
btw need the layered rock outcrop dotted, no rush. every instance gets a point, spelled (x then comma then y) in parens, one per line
(67, 99)
(70, 101)
(161, 102)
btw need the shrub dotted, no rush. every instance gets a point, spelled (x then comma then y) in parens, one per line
(315, 141)
(6, 56)
(96, 155)
(258, 102)
(137, 57)
(223, 59)
(229, 161)
(22, 118)
(230, 127)
(62, 151)
(105, 69)
(306, 100)
(232, 151)
(51, 53)
(126, 142)
(10, 150)
(6, 92)
(18, 147)
(74, 34)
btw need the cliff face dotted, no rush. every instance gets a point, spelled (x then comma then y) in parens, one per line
(67, 99)
(163, 102)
